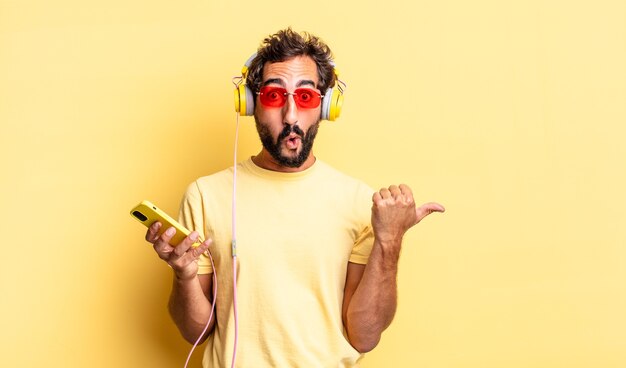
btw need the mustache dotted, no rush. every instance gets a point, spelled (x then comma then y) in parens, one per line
(288, 129)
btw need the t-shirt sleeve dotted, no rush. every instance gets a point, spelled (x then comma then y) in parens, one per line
(364, 240)
(191, 216)
(363, 246)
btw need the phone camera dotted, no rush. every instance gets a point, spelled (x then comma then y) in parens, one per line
(140, 216)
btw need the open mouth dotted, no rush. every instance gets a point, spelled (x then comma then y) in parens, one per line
(292, 141)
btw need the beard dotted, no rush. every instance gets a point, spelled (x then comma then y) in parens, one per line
(274, 146)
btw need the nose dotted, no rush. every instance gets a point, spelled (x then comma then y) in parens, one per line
(290, 111)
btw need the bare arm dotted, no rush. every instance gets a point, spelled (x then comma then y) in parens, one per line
(190, 306)
(372, 305)
(370, 295)
(190, 300)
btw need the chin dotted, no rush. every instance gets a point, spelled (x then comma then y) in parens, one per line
(290, 155)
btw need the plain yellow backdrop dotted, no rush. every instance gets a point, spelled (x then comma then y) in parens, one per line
(510, 113)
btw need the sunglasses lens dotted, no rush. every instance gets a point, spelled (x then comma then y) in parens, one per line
(273, 96)
(307, 98)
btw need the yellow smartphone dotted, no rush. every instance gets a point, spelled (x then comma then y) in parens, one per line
(147, 213)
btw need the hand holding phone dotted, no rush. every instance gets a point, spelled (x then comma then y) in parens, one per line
(147, 213)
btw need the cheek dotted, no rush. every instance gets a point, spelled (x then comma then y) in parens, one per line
(308, 118)
(267, 114)
(271, 125)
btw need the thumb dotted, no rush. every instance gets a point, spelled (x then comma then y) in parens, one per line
(428, 208)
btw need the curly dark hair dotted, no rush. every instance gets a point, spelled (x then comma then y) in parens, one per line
(286, 44)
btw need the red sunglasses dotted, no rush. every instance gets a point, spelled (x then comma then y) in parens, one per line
(305, 98)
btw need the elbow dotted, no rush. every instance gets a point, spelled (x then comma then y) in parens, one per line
(195, 334)
(194, 339)
(363, 334)
(364, 344)
(193, 331)
(366, 348)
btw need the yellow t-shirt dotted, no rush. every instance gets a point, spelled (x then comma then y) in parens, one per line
(296, 233)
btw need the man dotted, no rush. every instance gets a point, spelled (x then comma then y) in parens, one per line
(317, 251)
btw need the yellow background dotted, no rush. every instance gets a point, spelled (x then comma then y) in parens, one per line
(510, 113)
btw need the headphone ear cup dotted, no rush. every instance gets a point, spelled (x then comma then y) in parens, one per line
(331, 104)
(244, 101)
(237, 92)
(249, 101)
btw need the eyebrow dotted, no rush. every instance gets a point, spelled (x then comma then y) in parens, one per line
(304, 82)
(274, 81)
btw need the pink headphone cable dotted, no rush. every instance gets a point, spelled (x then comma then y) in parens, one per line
(234, 253)
(208, 253)
(234, 244)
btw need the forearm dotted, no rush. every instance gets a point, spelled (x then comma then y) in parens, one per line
(190, 308)
(373, 304)
(370, 295)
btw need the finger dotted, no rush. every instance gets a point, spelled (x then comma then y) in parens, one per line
(199, 250)
(406, 190)
(407, 193)
(162, 244)
(191, 255)
(163, 249)
(184, 245)
(152, 233)
(394, 191)
(385, 193)
(376, 197)
(428, 208)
